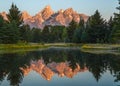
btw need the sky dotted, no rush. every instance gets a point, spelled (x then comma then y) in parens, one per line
(88, 7)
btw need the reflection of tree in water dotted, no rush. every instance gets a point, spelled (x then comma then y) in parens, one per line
(9, 67)
(114, 67)
(97, 64)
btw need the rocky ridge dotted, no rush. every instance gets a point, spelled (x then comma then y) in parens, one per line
(48, 17)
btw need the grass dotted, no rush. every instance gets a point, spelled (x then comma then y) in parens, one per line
(84, 47)
(16, 46)
(101, 46)
(34, 45)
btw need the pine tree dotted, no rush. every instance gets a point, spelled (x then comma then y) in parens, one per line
(11, 33)
(81, 23)
(70, 30)
(2, 21)
(15, 15)
(2, 24)
(36, 35)
(78, 32)
(46, 34)
(115, 37)
(85, 38)
(96, 29)
(64, 35)
(11, 28)
(110, 27)
(56, 33)
(25, 33)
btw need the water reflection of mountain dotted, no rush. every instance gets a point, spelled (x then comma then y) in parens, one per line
(64, 62)
(47, 71)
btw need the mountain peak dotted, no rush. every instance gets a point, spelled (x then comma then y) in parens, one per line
(61, 11)
(48, 7)
(25, 15)
(48, 17)
(47, 12)
(69, 11)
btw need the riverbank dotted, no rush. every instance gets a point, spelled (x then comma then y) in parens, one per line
(47, 45)
(36, 45)
(101, 46)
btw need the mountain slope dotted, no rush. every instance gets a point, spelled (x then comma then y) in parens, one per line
(48, 17)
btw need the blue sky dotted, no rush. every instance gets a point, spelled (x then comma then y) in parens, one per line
(106, 7)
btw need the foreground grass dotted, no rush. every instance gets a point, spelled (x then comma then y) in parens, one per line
(83, 47)
(20, 46)
(35, 45)
(101, 46)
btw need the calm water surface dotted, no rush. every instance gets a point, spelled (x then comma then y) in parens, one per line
(59, 67)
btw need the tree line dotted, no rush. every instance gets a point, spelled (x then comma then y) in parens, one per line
(95, 30)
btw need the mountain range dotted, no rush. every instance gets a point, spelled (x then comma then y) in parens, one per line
(48, 17)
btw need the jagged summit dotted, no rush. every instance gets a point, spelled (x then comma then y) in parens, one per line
(48, 7)
(61, 11)
(69, 11)
(25, 15)
(46, 12)
(48, 17)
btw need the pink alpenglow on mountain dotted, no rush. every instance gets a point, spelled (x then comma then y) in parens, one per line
(48, 17)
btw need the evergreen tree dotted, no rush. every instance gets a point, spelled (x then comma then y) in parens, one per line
(36, 35)
(81, 23)
(110, 27)
(78, 32)
(11, 33)
(56, 33)
(46, 34)
(25, 33)
(64, 35)
(15, 15)
(2, 23)
(70, 30)
(96, 29)
(85, 38)
(115, 37)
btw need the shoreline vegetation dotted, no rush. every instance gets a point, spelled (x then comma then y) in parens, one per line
(92, 48)
(94, 29)
(36, 45)
(15, 35)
